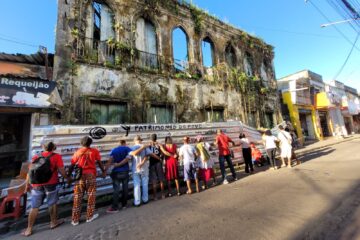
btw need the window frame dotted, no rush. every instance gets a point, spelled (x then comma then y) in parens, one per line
(107, 101)
(150, 105)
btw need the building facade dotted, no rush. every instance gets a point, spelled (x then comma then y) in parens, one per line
(116, 62)
(298, 94)
(317, 109)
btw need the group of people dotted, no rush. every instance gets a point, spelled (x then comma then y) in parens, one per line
(154, 162)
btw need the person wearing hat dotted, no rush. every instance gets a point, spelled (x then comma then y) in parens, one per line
(156, 166)
(188, 154)
(46, 190)
(140, 171)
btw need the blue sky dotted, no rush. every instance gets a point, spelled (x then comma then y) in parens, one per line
(292, 26)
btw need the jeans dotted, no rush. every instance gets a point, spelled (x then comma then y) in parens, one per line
(271, 155)
(120, 178)
(247, 159)
(222, 165)
(141, 180)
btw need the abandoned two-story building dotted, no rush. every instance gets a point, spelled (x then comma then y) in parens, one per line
(159, 61)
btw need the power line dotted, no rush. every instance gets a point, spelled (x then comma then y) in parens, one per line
(347, 58)
(337, 29)
(292, 32)
(18, 42)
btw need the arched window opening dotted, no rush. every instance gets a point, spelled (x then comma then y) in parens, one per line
(230, 56)
(207, 47)
(99, 33)
(102, 24)
(180, 49)
(264, 74)
(248, 64)
(146, 43)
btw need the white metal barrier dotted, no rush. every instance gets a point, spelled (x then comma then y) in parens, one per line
(106, 137)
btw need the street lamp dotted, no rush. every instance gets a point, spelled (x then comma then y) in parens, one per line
(339, 22)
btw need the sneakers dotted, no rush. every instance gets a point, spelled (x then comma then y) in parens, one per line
(74, 223)
(225, 181)
(95, 216)
(112, 210)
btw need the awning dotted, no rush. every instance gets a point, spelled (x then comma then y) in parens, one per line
(28, 93)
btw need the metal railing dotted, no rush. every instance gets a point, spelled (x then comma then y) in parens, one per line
(100, 52)
(181, 65)
(147, 60)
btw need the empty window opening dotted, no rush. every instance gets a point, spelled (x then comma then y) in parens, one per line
(248, 64)
(146, 43)
(230, 56)
(264, 74)
(180, 49)
(97, 23)
(207, 47)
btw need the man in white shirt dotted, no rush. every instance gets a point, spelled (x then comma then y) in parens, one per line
(140, 171)
(285, 146)
(188, 154)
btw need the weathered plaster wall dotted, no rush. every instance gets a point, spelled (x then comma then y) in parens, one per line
(189, 97)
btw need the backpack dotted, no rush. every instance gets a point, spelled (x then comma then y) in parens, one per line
(40, 170)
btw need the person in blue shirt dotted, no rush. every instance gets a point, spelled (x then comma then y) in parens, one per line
(119, 158)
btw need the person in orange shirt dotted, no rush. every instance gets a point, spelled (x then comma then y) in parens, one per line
(256, 155)
(86, 158)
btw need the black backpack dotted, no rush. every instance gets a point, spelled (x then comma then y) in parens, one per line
(40, 170)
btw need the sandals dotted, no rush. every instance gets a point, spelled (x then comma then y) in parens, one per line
(58, 223)
(24, 234)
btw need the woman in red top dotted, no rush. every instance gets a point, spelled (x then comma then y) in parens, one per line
(85, 158)
(171, 164)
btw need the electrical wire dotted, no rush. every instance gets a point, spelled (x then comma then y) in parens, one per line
(18, 42)
(336, 28)
(347, 58)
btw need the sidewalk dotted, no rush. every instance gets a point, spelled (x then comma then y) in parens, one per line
(324, 144)
(65, 210)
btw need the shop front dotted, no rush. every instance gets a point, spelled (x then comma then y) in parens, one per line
(303, 117)
(324, 123)
(20, 101)
(329, 105)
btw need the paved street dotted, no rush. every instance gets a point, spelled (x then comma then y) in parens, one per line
(317, 200)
